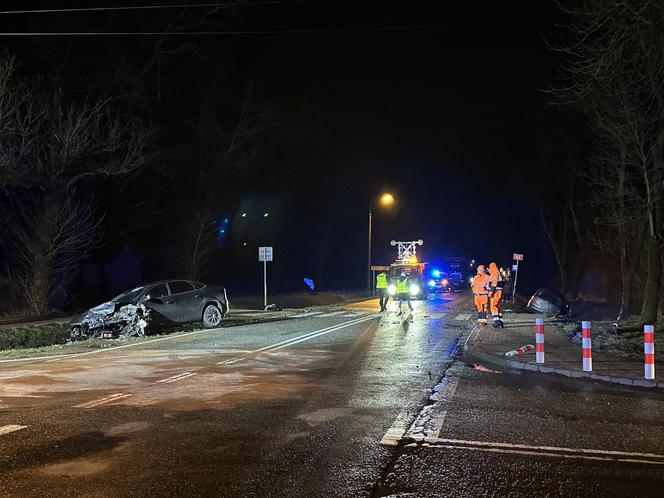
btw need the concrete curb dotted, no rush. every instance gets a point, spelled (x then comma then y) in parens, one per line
(576, 374)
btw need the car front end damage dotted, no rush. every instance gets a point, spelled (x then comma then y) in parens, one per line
(111, 320)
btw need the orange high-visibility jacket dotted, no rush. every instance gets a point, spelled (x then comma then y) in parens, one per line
(480, 282)
(495, 280)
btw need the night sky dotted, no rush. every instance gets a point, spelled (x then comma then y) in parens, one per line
(449, 117)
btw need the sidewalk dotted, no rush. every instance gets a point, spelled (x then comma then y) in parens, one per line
(561, 355)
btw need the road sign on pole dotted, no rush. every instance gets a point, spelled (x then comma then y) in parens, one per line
(516, 257)
(265, 254)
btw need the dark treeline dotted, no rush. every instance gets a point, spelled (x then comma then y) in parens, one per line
(143, 142)
(607, 217)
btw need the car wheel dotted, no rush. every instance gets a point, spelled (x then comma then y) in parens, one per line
(211, 316)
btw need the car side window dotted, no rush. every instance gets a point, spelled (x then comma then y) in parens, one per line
(180, 286)
(158, 291)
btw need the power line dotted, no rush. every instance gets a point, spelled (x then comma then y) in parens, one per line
(147, 7)
(226, 33)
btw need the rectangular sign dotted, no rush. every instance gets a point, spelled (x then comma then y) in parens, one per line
(514, 267)
(517, 257)
(265, 254)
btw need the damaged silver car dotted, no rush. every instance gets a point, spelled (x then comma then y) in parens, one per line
(152, 305)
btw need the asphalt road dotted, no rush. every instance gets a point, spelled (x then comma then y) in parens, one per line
(300, 407)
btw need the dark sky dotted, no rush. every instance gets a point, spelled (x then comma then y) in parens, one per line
(449, 117)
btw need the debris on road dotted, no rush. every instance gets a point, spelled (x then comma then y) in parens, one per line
(482, 368)
(523, 349)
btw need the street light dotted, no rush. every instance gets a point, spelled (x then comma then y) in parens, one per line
(386, 200)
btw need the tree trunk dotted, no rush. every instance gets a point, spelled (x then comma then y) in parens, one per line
(627, 277)
(653, 282)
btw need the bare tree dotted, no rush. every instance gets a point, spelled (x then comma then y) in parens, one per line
(50, 147)
(615, 69)
(197, 228)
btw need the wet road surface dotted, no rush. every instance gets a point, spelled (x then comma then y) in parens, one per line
(300, 408)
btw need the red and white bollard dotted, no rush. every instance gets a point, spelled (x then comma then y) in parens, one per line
(649, 351)
(587, 347)
(539, 340)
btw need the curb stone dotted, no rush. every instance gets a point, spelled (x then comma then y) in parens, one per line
(626, 381)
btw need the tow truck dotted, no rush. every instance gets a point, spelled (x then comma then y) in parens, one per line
(407, 263)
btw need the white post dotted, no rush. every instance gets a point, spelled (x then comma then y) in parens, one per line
(516, 275)
(265, 283)
(649, 351)
(539, 340)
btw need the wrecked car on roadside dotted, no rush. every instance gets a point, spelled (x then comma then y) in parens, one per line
(549, 302)
(152, 305)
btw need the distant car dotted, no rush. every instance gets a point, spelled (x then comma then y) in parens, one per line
(549, 302)
(439, 282)
(157, 303)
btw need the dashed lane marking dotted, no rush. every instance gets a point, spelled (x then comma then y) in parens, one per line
(462, 317)
(103, 401)
(7, 429)
(304, 315)
(296, 340)
(550, 451)
(175, 378)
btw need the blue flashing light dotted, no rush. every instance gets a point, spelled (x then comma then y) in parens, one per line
(435, 273)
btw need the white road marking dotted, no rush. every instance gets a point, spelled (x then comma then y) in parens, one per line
(396, 431)
(296, 340)
(103, 401)
(7, 429)
(515, 451)
(309, 313)
(332, 313)
(175, 378)
(61, 357)
(445, 395)
(463, 317)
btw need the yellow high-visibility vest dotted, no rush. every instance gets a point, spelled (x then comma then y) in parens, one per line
(402, 286)
(381, 281)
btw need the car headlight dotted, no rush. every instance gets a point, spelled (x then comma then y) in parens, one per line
(445, 282)
(391, 289)
(414, 289)
(432, 283)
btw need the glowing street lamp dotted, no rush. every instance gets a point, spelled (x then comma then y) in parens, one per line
(386, 200)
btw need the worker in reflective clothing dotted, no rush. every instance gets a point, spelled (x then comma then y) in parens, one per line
(481, 294)
(381, 290)
(495, 289)
(403, 291)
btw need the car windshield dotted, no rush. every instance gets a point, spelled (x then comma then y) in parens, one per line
(129, 296)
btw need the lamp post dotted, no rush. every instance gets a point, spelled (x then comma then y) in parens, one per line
(386, 200)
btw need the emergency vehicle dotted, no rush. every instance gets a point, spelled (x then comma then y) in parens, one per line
(407, 263)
